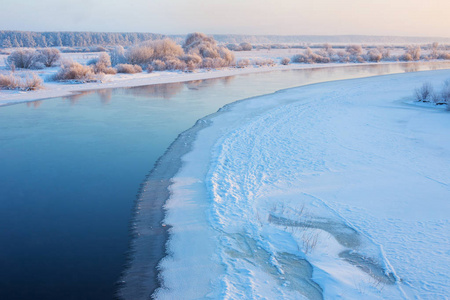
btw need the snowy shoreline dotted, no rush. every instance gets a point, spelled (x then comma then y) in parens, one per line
(203, 234)
(56, 89)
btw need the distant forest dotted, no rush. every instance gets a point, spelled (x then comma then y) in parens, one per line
(31, 39)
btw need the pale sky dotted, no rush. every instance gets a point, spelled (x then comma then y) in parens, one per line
(285, 17)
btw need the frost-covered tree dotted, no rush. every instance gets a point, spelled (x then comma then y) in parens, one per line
(49, 56)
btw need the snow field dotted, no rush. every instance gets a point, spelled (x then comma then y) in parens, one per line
(336, 190)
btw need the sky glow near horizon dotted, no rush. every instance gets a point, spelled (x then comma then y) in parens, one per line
(286, 17)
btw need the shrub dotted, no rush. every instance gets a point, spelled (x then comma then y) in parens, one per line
(9, 82)
(242, 63)
(193, 59)
(310, 57)
(424, 93)
(74, 71)
(129, 69)
(264, 62)
(445, 93)
(12, 82)
(139, 55)
(354, 50)
(444, 55)
(150, 69)
(102, 64)
(285, 61)
(25, 59)
(206, 47)
(158, 65)
(246, 46)
(117, 56)
(164, 48)
(49, 56)
(412, 53)
(374, 55)
(193, 40)
(234, 47)
(173, 63)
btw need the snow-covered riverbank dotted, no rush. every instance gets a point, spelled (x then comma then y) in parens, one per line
(337, 189)
(52, 89)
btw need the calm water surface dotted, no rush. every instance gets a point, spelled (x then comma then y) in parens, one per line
(70, 169)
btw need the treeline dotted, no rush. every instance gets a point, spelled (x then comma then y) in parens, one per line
(31, 39)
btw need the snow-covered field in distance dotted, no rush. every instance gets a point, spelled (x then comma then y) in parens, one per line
(337, 190)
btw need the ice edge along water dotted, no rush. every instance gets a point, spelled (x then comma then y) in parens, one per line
(239, 217)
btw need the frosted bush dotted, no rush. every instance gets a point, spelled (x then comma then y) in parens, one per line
(406, 57)
(310, 57)
(354, 50)
(444, 55)
(412, 53)
(374, 55)
(164, 48)
(139, 55)
(27, 83)
(285, 61)
(25, 59)
(207, 48)
(103, 65)
(159, 65)
(208, 63)
(264, 62)
(49, 56)
(242, 63)
(424, 93)
(117, 56)
(173, 63)
(246, 46)
(445, 93)
(129, 69)
(234, 47)
(74, 71)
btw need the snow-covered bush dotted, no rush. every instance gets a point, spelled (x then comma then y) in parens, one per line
(139, 55)
(234, 47)
(444, 55)
(264, 62)
(158, 65)
(406, 57)
(117, 56)
(412, 53)
(374, 55)
(102, 64)
(150, 69)
(310, 57)
(354, 50)
(49, 56)
(242, 63)
(246, 46)
(129, 69)
(13, 82)
(207, 49)
(445, 93)
(424, 93)
(25, 59)
(174, 63)
(285, 61)
(163, 49)
(71, 70)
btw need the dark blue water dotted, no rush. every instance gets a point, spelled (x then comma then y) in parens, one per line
(70, 169)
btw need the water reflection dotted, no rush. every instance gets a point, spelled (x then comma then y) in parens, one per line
(168, 91)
